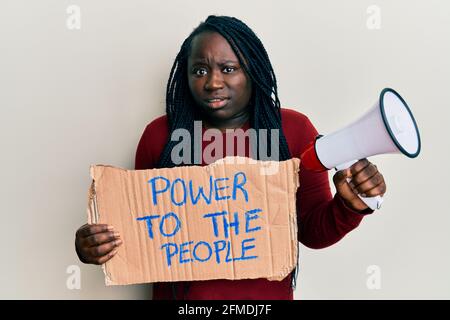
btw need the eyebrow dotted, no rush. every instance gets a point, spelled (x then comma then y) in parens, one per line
(222, 62)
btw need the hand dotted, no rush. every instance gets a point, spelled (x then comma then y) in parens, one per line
(366, 180)
(96, 243)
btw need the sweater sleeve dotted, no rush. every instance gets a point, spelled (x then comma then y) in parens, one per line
(143, 159)
(151, 144)
(322, 219)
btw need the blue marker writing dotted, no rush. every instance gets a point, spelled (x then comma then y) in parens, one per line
(162, 224)
(251, 215)
(169, 253)
(240, 185)
(195, 251)
(155, 191)
(148, 220)
(177, 224)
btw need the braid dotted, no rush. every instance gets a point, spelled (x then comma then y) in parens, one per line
(253, 57)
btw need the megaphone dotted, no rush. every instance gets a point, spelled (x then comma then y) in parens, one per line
(388, 127)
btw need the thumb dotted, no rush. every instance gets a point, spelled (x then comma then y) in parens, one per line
(340, 177)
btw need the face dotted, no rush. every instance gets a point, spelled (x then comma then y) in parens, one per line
(218, 83)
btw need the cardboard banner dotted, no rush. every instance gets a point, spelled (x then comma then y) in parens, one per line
(226, 220)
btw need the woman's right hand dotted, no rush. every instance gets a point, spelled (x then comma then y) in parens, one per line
(96, 243)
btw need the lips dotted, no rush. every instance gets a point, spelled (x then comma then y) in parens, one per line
(216, 102)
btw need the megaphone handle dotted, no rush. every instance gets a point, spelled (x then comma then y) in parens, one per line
(372, 202)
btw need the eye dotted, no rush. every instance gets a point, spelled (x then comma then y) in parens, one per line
(199, 71)
(229, 69)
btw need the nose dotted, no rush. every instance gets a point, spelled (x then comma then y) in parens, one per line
(214, 81)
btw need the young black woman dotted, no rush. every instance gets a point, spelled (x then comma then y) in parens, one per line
(223, 77)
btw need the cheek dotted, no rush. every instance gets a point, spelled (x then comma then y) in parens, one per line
(195, 86)
(244, 86)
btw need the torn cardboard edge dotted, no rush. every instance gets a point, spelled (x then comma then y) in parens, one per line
(109, 269)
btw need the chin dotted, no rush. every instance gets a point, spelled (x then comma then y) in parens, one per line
(221, 113)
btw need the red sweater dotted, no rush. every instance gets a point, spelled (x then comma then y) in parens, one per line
(322, 219)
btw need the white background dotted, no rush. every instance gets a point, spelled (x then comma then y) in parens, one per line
(71, 98)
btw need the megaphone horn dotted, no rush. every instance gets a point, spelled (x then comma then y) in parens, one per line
(388, 127)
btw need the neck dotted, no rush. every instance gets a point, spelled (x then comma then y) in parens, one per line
(237, 121)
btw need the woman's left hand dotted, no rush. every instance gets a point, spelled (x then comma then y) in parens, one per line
(365, 179)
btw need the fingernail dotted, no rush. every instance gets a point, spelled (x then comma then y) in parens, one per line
(110, 228)
(113, 252)
(118, 242)
(116, 235)
(363, 195)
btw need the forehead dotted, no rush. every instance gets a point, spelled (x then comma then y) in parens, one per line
(211, 46)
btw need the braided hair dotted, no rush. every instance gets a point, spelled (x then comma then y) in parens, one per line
(265, 105)
(180, 107)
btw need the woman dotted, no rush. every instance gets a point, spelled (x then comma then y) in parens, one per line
(223, 77)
